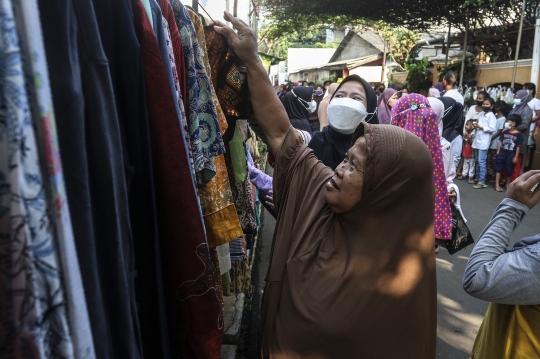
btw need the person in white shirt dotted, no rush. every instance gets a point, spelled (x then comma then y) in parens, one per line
(485, 127)
(449, 83)
(500, 110)
(534, 104)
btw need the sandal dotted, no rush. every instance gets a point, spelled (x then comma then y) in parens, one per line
(471, 181)
(477, 186)
(498, 189)
(461, 177)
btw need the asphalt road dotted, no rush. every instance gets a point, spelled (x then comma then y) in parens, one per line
(459, 315)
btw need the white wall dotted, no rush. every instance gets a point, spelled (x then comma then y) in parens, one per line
(368, 73)
(305, 57)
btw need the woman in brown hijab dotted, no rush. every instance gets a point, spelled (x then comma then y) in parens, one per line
(352, 271)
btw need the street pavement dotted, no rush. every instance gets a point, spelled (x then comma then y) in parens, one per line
(459, 315)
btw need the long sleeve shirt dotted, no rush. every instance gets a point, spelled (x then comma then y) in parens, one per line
(488, 122)
(497, 274)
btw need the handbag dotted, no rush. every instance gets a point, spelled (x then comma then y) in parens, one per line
(461, 235)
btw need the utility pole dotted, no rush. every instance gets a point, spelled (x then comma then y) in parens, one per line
(518, 44)
(383, 62)
(464, 57)
(536, 50)
(195, 5)
(235, 8)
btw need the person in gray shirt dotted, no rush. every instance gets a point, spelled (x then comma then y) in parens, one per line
(495, 273)
(509, 278)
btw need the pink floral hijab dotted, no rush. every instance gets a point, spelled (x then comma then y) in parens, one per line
(414, 114)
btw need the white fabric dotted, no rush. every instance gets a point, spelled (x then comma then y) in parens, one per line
(448, 160)
(438, 107)
(457, 204)
(345, 114)
(306, 136)
(471, 115)
(534, 104)
(224, 258)
(455, 95)
(469, 165)
(456, 148)
(500, 125)
(482, 140)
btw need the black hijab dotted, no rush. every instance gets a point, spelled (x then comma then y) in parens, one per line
(331, 146)
(452, 118)
(296, 109)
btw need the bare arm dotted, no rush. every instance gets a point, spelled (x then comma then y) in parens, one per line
(269, 111)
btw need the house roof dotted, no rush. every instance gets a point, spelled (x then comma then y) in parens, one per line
(368, 35)
(349, 64)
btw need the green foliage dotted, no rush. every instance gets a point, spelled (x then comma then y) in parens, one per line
(418, 73)
(469, 72)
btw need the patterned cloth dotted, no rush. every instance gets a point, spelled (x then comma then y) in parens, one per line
(219, 212)
(414, 114)
(33, 316)
(193, 293)
(204, 132)
(228, 80)
(29, 28)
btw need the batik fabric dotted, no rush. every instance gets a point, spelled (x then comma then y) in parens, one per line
(204, 133)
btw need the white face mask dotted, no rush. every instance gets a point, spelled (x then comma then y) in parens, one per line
(507, 126)
(312, 106)
(326, 87)
(345, 114)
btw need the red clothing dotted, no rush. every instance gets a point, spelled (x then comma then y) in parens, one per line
(467, 151)
(191, 289)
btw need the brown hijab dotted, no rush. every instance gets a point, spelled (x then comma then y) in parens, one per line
(350, 285)
(323, 106)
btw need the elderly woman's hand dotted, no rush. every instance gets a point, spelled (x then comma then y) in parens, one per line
(243, 42)
(525, 190)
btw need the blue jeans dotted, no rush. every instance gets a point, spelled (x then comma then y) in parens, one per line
(481, 161)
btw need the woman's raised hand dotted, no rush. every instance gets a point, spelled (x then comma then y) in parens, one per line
(243, 41)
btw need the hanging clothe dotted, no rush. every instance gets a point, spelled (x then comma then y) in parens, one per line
(120, 44)
(191, 288)
(34, 318)
(217, 203)
(92, 154)
(205, 137)
(37, 74)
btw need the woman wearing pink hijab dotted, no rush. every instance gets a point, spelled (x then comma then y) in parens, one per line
(323, 106)
(414, 114)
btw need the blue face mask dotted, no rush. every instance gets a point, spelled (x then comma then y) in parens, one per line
(517, 101)
(318, 92)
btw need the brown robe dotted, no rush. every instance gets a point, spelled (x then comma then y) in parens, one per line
(360, 284)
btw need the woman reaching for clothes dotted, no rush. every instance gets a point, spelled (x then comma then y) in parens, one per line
(342, 283)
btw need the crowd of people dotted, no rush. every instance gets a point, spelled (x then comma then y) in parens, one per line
(342, 282)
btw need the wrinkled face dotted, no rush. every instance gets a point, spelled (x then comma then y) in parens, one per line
(354, 90)
(392, 100)
(344, 190)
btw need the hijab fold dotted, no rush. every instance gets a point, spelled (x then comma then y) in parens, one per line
(525, 98)
(334, 278)
(384, 111)
(453, 118)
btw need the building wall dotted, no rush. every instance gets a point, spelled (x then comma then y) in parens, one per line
(356, 48)
(368, 73)
(299, 58)
(311, 77)
(490, 74)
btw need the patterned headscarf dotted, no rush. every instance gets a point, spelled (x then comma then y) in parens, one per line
(414, 114)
